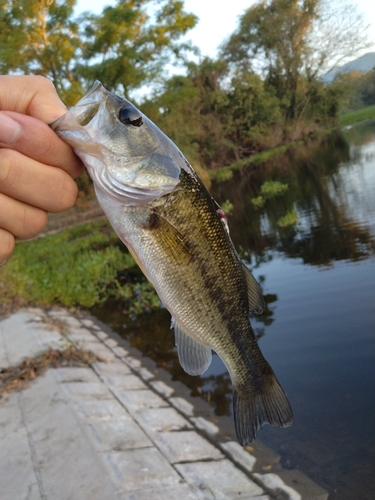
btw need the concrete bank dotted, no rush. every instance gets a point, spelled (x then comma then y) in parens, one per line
(115, 430)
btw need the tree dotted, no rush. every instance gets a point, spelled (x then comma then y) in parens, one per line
(186, 108)
(40, 37)
(358, 89)
(215, 117)
(126, 45)
(291, 42)
(129, 44)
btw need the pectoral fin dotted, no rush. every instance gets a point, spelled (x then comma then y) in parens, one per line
(194, 357)
(254, 292)
(168, 236)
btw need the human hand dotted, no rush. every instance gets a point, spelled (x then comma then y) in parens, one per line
(36, 167)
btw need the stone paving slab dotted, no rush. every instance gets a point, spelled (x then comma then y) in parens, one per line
(126, 382)
(220, 479)
(140, 469)
(79, 374)
(185, 446)
(20, 337)
(94, 409)
(135, 400)
(114, 368)
(239, 455)
(174, 492)
(167, 419)
(16, 463)
(117, 435)
(65, 460)
(80, 390)
(112, 430)
(82, 335)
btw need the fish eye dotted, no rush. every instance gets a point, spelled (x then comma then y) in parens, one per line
(130, 116)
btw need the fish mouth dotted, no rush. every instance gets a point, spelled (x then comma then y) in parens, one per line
(87, 107)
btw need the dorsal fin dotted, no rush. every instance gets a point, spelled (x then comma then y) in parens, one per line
(254, 292)
(194, 357)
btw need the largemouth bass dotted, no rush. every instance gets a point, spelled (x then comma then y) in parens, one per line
(177, 234)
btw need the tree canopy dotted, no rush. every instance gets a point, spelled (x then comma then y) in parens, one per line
(125, 46)
(292, 42)
(262, 91)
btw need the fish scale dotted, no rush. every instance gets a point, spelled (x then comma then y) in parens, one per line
(165, 216)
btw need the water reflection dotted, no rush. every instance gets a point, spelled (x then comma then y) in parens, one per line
(330, 188)
(317, 331)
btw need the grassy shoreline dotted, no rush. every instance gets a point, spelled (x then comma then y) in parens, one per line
(87, 264)
(77, 267)
(358, 116)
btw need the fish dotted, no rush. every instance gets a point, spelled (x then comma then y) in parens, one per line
(179, 237)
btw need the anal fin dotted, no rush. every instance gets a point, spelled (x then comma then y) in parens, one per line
(194, 357)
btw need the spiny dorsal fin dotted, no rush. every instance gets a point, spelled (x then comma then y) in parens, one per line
(254, 292)
(194, 357)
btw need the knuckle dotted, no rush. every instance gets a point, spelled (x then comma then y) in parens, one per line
(6, 157)
(34, 221)
(39, 221)
(67, 194)
(6, 245)
(43, 82)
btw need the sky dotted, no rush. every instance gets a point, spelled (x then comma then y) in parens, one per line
(217, 20)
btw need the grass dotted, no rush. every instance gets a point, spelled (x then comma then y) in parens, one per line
(82, 266)
(357, 116)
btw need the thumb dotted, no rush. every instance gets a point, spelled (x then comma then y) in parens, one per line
(31, 95)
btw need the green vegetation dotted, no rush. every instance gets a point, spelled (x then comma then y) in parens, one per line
(77, 267)
(227, 207)
(125, 46)
(269, 189)
(289, 219)
(257, 98)
(358, 116)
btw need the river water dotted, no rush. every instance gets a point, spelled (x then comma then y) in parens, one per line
(318, 277)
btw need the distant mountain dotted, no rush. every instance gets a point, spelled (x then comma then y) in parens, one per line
(363, 64)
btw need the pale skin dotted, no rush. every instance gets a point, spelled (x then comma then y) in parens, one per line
(36, 167)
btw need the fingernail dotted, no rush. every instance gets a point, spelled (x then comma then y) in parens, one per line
(9, 129)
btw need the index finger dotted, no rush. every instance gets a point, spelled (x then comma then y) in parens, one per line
(31, 95)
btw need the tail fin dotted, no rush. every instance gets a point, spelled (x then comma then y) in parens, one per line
(252, 411)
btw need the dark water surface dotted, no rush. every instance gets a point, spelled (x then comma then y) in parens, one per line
(318, 278)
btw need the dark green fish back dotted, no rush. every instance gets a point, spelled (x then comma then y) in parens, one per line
(219, 293)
